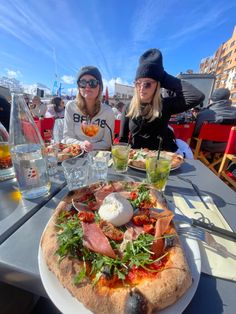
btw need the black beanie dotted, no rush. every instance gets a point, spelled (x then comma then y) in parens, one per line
(91, 70)
(220, 94)
(150, 65)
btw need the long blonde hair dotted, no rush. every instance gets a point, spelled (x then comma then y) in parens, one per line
(81, 103)
(155, 106)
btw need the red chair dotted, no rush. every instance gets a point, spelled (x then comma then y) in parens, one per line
(211, 132)
(229, 156)
(45, 126)
(117, 128)
(183, 131)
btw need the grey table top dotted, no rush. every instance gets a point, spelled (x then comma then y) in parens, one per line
(18, 254)
(14, 210)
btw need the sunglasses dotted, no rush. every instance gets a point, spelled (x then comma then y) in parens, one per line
(146, 84)
(92, 83)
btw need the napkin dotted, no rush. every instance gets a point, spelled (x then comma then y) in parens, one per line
(220, 262)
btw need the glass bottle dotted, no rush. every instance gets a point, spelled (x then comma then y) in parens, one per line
(27, 151)
(6, 168)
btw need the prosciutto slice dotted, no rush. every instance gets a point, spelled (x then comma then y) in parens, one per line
(102, 193)
(162, 225)
(95, 240)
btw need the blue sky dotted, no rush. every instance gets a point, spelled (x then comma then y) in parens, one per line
(41, 38)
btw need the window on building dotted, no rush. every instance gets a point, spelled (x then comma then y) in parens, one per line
(232, 43)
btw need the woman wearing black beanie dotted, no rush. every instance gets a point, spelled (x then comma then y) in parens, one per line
(146, 118)
(87, 108)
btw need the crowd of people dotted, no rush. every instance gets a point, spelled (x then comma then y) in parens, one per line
(157, 97)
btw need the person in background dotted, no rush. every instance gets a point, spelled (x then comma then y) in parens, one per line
(56, 109)
(146, 119)
(5, 110)
(27, 100)
(119, 107)
(37, 108)
(220, 110)
(195, 111)
(88, 108)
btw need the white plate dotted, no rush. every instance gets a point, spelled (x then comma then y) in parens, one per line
(144, 170)
(67, 304)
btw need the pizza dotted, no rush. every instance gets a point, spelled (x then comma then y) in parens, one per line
(114, 251)
(66, 151)
(137, 158)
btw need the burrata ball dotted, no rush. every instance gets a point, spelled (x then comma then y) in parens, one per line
(116, 209)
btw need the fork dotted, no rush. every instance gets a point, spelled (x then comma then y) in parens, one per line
(204, 236)
(196, 189)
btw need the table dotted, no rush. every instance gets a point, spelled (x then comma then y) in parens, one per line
(19, 267)
(14, 210)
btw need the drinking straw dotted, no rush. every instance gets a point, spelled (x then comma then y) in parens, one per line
(110, 132)
(159, 147)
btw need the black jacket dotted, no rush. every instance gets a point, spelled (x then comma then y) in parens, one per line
(5, 109)
(144, 134)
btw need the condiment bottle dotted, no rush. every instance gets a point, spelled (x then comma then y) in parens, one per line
(27, 151)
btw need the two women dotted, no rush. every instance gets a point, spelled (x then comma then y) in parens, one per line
(88, 109)
(146, 119)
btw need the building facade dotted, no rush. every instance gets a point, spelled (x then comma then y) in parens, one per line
(223, 65)
(123, 93)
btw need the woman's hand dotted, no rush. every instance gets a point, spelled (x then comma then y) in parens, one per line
(87, 146)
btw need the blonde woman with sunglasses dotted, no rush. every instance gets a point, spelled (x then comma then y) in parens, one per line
(146, 119)
(88, 109)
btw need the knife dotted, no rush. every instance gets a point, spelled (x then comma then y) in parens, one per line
(207, 226)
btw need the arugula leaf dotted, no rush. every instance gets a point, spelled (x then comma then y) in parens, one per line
(136, 254)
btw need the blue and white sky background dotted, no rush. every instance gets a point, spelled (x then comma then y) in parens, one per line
(39, 39)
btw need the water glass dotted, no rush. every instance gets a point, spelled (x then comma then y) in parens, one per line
(158, 170)
(76, 172)
(99, 164)
(6, 168)
(120, 156)
(52, 158)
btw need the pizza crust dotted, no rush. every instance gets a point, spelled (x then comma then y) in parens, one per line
(163, 290)
(176, 161)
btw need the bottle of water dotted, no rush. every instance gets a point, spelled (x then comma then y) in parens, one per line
(27, 151)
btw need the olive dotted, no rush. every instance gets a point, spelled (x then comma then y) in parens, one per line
(106, 272)
(136, 303)
(170, 241)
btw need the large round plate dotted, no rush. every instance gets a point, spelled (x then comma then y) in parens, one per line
(177, 164)
(67, 304)
(144, 170)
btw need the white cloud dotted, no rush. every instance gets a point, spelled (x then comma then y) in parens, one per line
(13, 74)
(68, 79)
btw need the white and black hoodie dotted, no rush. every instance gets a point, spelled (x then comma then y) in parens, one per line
(72, 126)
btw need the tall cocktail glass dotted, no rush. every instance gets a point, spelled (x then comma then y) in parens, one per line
(120, 156)
(158, 170)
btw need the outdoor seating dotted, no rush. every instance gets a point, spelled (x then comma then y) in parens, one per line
(211, 132)
(183, 131)
(117, 128)
(116, 131)
(45, 126)
(229, 157)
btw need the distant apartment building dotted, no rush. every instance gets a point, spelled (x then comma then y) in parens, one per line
(223, 65)
(123, 93)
